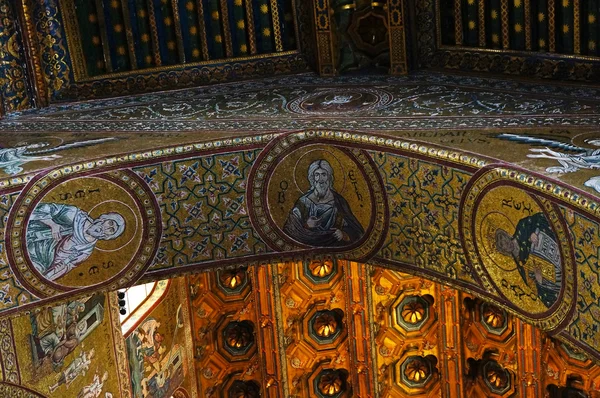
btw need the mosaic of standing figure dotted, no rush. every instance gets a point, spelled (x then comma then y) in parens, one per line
(13, 159)
(520, 246)
(159, 347)
(60, 237)
(72, 349)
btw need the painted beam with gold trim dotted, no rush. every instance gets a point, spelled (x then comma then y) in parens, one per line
(397, 36)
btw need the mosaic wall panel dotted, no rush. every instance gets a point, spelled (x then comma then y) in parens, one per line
(68, 349)
(473, 222)
(203, 208)
(424, 199)
(159, 347)
(14, 84)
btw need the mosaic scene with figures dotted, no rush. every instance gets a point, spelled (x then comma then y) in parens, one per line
(299, 198)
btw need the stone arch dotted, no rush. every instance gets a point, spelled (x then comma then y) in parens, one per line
(417, 207)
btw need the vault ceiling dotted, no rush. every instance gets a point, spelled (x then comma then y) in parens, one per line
(433, 234)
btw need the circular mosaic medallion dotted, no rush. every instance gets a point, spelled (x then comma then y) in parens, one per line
(307, 192)
(72, 233)
(331, 101)
(519, 247)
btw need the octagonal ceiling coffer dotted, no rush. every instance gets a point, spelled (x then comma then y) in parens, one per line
(326, 326)
(331, 383)
(412, 312)
(320, 270)
(493, 318)
(244, 389)
(238, 337)
(232, 281)
(416, 371)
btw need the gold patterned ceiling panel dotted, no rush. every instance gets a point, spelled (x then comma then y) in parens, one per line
(342, 329)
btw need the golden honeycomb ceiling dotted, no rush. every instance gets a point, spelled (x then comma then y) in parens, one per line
(326, 328)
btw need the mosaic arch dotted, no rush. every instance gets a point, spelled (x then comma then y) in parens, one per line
(520, 239)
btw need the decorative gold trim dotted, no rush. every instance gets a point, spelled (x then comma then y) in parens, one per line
(346, 7)
(576, 28)
(71, 26)
(297, 40)
(103, 35)
(527, 6)
(226, 30)
(129, 35)
(522, 53)
(279, 328)
(178, 32)
(188, 340)
(458, 28)
(276, 26)
(123, 372)
(32, 51)
(189, 65)
(377, 4)
(371, 311)
(481, 23)
(154, 29)
(438, 24)
(505, 24)
(202, 25)
(251, 28)
(551, 26)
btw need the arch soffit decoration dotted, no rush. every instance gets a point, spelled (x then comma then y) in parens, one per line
(16, 391)
(402, 204)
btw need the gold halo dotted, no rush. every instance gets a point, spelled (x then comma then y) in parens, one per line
(581, 139)
(126, 234)
(490, 223)
(301, 169)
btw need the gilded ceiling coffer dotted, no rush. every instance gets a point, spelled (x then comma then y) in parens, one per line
(360, 34)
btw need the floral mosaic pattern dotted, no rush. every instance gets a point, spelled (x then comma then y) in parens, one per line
(424, 200)
(203, 209)
(420, 100)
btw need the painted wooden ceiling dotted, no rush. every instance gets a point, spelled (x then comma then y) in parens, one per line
(307, 200)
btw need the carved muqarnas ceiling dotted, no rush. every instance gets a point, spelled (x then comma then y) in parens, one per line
(327, 328)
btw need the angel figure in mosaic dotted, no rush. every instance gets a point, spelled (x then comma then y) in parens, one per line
(12, 159)
(573, 159)
(79, 366)
(94, 389)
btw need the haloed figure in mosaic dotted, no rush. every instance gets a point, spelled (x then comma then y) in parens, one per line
(534, 248)
(94, 389)
(322, 217)
(77, 367)
(60, 237)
